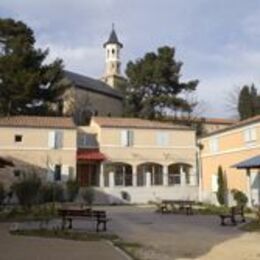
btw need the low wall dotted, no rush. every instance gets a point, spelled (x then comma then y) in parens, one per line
(140, 195)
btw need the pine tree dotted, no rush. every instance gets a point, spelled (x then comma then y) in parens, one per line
(154, 85)
(27, 84)
(221, 193)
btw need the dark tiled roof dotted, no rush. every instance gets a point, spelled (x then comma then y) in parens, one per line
(37, 122)
(242, 123)
(113, 39)
(253, 162)
(122, 122)
(91, 84)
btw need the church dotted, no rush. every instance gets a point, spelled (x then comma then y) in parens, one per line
(100, 97)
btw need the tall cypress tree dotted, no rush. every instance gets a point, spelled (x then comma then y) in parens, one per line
(222, 188)
(245, 106)
(27, 84)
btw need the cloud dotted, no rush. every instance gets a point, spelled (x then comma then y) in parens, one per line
(218, 41)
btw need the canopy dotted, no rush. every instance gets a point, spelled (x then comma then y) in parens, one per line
(90, 155)
(251, 163)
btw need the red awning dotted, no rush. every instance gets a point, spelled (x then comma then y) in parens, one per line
(90, 155)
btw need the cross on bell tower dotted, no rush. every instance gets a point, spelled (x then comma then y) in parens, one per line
(113, 63)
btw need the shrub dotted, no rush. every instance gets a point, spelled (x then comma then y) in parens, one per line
(221, 193)
(88, 195)
(2, 193)
(72, 189)
(27, 189)
(52, 192)
(240, 197)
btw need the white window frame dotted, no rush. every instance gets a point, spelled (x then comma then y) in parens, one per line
(162, 138)
(127, 138)
(250, 135)
(214, 145)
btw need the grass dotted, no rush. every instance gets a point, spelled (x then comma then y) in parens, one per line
(252, 226)
(64, 234)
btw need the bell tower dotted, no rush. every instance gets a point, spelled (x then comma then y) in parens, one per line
(112, 59)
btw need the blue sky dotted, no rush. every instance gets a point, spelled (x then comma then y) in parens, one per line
(218, 41)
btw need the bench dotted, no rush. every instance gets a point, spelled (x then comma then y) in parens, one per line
(97, 216)
(234, 211)
(170, 206)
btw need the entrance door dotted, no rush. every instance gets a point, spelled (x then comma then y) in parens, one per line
(87, 174)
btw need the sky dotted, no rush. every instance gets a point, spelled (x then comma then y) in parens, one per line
(217, 41)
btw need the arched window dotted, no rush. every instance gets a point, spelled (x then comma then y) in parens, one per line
(113, 51)
(122, 173)
(174, 173)
(156, 174)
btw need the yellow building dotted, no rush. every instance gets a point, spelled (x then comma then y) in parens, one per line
(46, 145)
(226, 148)
(138, 160)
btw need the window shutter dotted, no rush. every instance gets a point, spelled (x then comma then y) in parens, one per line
(124, 138)
(253, 134)
(50, 173)
(65, 172)
(131, 138)
(51, 139)
(214, 183)
(58, 139)
(246, 135)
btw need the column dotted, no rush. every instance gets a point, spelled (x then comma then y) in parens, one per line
(101, 176)
(134, 180)
(165, 175)
(148, 179)
(193, 177)
(183, 177)
(249, 195)
(111, 180)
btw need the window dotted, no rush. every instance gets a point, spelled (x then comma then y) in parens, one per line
(141, 179)
(113, 51)
(123, 175)
(57, 172)
(174, 174)
(162, 139)
(17, 173)
(127, 138)
(155, 171)
(56, 139)
(18, 138)
(250, 135)
(214, 145)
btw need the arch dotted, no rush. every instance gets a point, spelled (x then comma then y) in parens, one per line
(175, 170)
(123, 173)
(155, 170)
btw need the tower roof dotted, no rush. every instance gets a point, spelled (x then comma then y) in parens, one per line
(113, 38)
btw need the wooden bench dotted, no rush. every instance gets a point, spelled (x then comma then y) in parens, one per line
(170, 206)
(97, 216)
(234, 211)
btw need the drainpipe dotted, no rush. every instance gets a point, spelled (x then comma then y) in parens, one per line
(199, 171)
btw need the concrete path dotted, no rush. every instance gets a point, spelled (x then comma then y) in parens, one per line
(32, 248)
(169, 237)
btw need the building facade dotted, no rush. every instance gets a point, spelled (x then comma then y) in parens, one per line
(226, 148)
(137, 160)
(42, 145)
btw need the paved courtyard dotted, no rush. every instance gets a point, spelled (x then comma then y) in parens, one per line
(33, 248)
(183, 237)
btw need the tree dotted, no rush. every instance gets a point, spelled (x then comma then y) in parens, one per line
(27, 84)
(248, 102)
(222, 189)
(154, 86)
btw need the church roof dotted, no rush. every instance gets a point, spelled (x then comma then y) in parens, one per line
(91, 84)
(113, 39)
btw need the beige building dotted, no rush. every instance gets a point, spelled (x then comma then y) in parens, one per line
(46, 145)
(226, 148)
(137, 160)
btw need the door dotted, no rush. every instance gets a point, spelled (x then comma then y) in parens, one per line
(87, 174)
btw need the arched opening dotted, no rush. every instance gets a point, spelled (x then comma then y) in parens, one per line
(175, 172)
(123, 174)
(154, 170)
